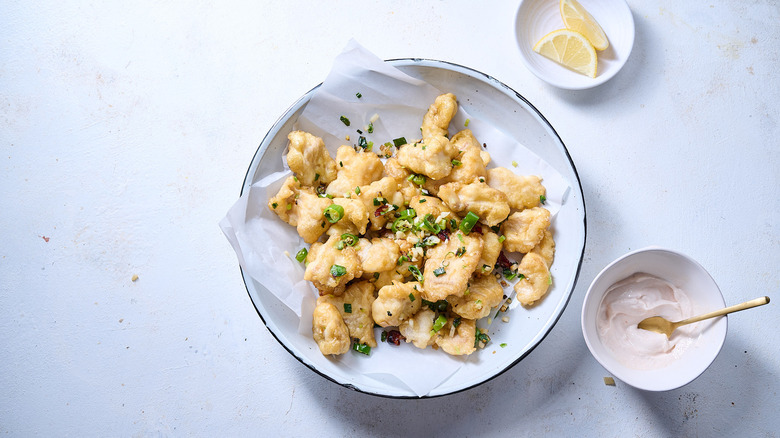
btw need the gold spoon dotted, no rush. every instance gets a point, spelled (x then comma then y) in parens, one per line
(663, 326)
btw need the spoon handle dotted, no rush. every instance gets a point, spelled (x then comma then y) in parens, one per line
(731, 309)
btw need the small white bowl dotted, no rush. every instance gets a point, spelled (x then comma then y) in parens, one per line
(683, 272)
(537, 18)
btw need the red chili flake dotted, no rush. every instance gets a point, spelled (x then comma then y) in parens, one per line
(378, 212)
(503, 261)
(477, 229)
(395, 337)
(45, 238)
(443, 234)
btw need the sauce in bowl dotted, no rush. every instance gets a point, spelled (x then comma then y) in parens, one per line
(633, 299)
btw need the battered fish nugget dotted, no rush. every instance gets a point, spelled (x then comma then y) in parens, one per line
(522, 191)
(355, 215)
(484, 293)
(470, 166)
(546, 248)
(378, 254)
(354, 169)
(439, 115)
(431, 157)
(329, 268)
(457, 341)
(486, 202)
(536, 279)
(419, 328)
(380, 198)
(525, 229)
(329, 330)
(401, 175)
(491, 248)
(309, 159)
(301, 208)
(396, 303)
(425, 205)
(449, 265)
(355, 309)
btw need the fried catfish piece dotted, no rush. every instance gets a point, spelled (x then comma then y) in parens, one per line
(329, 330)
(536, 279)
(378, 254)
(302, 208)
(355, 308)
(522, 191)
(525, 229)
(431, 157)
(483, 294)
(309, 159)
(380, 198)
(546, 248)
(354, 169)
(330, 268)
(457, 341)
(449, 266)
(486, 202)
(396, 303)
(419, 328)
(439, 115)
(491, 248)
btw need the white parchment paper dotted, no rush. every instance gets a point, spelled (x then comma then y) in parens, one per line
(397, 102)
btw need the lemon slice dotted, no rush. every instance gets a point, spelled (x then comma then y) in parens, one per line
(570, 49)
(576, 18)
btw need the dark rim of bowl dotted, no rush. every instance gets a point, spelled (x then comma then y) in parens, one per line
(490, 79)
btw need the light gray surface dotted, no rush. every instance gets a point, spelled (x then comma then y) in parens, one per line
(126, 133)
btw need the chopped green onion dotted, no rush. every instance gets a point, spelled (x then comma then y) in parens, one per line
(439, 272)
(416, 272)
(466, 123)
(421, 201)
(542, 199)
(400, 141)
(503, 345)
(337, 271)
(549, 279)
(347, 308)
(416, 179)
(361, 348)
(461, 251)
(481, 337)
(357, 190)
(316, 176)
(344, 120)
(370, 127)
(334, 213)
(501, 239)
(428, 225)
(301, 256)
(358, 95)
(456, 162)
(439, 323)
(289, 207)
(384, 336)
(468, 222)
(514, 163)
(362, 142)
(411, 297)
(437, 306)
(402, 259)
(456, 322)
(274, 205)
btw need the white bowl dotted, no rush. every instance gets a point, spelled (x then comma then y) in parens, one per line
(683, 272)
(537, 18)
(485, 98)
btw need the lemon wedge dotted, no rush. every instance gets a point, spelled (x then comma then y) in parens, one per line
(570, 49)
(576, 18)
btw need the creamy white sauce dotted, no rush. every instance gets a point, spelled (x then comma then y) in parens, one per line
(633, 299)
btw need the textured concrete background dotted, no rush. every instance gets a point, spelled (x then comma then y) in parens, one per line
(126, 131)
